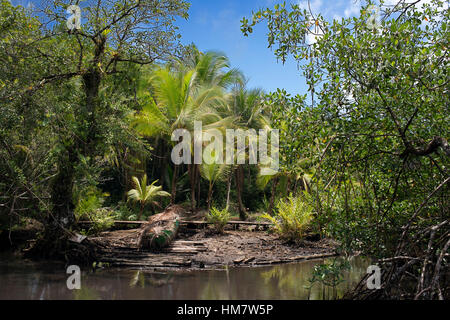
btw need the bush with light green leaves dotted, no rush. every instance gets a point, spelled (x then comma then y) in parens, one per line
(219, 218)
(293, 216)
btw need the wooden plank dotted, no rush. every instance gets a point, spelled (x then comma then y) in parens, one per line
(188, 242)
(251, 223)
(115, 222)
(185, 222)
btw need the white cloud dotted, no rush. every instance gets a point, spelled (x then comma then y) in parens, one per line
(337, 17)
(316, 7)
(312, 38)
(419, 5)
(353, 8)
(314, 4)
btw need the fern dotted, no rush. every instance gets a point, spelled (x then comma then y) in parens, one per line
(219, 218)
(293, 216)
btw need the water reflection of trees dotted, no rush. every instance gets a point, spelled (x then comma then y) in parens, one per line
(292, 280)
(277, 282)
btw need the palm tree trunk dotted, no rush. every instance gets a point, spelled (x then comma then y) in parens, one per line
(198, 189)
(209, 195)
(140, 211)
(272, 195)
(197, 184)
(288, 186)
(163, 162)
(174, 184)
(295, 187)
(228, 190)
(239, 187)
(192, 173)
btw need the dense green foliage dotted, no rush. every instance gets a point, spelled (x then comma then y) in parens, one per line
(87, 114)
(67, 98)
(376, 133)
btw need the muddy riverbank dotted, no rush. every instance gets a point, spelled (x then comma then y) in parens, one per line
(193, 248)
(198, 249)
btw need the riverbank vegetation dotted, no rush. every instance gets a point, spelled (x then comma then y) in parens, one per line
(87, 115)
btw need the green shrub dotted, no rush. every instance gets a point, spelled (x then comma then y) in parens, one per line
(87, 201)
(293, 216)
(124, 213)
(102, 218)
(218, 218)
(89, 208)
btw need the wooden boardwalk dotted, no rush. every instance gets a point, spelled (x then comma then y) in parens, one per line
(191, 224)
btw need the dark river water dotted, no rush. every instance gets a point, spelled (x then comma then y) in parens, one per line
(26, 280)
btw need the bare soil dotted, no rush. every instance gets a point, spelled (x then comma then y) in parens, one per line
(205, 249)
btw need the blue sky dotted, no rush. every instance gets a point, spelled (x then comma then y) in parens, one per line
(215, 25)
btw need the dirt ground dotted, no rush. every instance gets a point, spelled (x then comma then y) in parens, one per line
(202, 248)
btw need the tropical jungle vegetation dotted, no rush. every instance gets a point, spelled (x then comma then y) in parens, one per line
(87, 117)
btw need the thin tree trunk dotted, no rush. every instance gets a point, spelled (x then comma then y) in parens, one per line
(197, 184)
(141, 211)
(239, 187)
(295, 187)
(272, 195)
(192, 174)
(209, 195)
(174, 184)
(288, 186)
(163, 162)
(228, 190)
(198, 188)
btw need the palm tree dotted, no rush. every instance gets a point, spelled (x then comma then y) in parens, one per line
(247, 108)
(212, 68)
(213, 171)
(175, 101)
(301, 171)
(145, 194)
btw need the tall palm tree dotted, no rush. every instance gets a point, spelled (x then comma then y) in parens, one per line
(212, 170)
(145, 194)
(247, 108)
(175, 101)
(212, 68)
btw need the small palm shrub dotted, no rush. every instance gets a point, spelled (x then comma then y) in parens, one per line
(292, 217)
(218, 218)
(145, 194)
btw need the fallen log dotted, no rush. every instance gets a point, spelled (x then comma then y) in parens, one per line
(160, 229)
